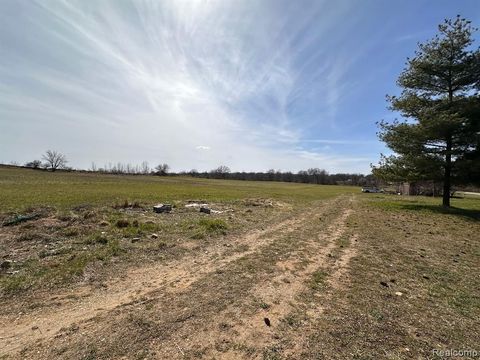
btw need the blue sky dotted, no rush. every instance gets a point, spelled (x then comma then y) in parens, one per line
(252, 84)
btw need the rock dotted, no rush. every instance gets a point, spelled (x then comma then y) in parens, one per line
(162, 208)
(135, 239)
(154, 236)
(399, 293)
(205, 210)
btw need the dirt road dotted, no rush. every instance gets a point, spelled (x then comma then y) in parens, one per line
(213, 304)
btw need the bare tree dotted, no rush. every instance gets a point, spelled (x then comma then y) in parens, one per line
(221, 172)
(222, 169)
(54, 160)
(162, 169)
(145, 168)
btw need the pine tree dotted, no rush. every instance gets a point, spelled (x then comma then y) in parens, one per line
(438, 137)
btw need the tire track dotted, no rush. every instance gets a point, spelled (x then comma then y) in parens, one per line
(138, 284)
(280, 293)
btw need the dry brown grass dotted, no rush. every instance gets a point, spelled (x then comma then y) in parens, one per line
(351, 277)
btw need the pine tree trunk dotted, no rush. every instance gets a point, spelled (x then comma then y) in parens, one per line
(448, 171)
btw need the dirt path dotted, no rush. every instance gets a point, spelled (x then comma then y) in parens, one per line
(280, 296)
(148, 283)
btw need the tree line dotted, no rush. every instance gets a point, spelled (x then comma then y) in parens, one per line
(54, 160)
(309, 176)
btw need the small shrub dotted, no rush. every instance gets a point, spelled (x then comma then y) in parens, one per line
(14, 284)
(136, 205)
(112, 249)
(122, 223)
(69, 232)
(89, 215)
(128, 205)
(161, 245)
(97, 238)
(32, 235)
(318, 280)
(264, 306)
(214, 226)
(199, 235)
(65, 216)
(123, 205)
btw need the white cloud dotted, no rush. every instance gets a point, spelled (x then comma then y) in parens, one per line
(150, 80)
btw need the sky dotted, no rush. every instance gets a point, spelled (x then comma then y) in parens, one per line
(251, 84)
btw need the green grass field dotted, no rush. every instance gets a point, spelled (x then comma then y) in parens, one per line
(23, 188)
(340, 274)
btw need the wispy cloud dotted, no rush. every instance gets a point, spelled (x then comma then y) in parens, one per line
(121, 81)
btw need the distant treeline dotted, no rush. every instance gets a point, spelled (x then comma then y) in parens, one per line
(309, 176)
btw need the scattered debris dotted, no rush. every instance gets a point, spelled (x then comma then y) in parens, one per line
(267, 321)
(161, 208)
(426, 277)
(383, 283)
(195, 205)
(154, 236)
(399, 293)
(20, 218)
(265, 203)
(135, 239)
(205, 210)
(259, 202)
(104, 223)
